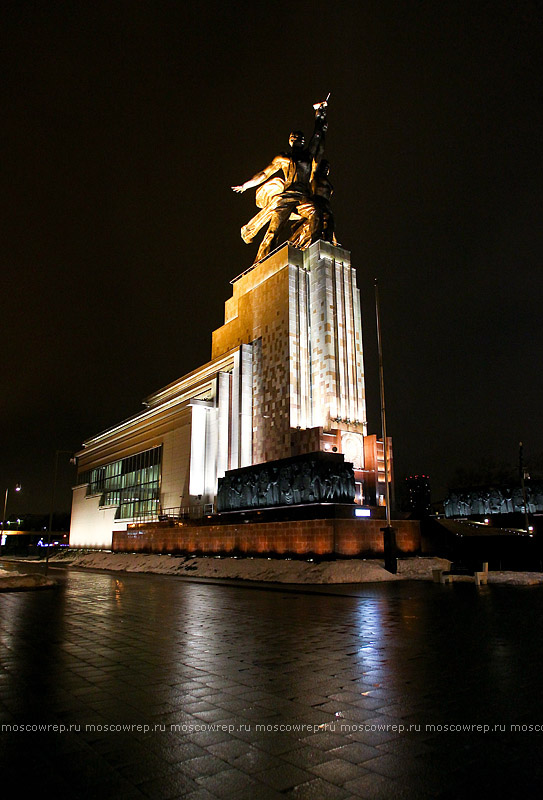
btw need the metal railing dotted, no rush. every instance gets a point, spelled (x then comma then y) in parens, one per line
(175, 514)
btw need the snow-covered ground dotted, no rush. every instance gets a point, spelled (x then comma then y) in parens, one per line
(277, 570)
(252, 569)
(255, 569)
(15, 581)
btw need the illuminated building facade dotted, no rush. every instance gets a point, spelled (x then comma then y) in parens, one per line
(286, 378)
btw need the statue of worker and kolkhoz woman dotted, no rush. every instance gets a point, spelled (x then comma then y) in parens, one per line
(295, 205)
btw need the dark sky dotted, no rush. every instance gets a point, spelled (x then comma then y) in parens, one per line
(125, 123)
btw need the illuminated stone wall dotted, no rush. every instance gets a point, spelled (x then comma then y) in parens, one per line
(257, 314)
(300, 311)
(322, 537)
(336, 359)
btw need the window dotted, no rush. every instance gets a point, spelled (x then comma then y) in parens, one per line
(132, 484)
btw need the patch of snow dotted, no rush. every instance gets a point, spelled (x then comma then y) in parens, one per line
(252, 569)
(16, 581)
(516, 578)
(421, 568)
(275, 569)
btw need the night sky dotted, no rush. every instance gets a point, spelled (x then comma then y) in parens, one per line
(124, 124)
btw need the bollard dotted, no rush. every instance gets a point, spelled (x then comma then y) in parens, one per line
(389, 543)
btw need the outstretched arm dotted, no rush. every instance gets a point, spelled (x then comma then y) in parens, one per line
(316, 145)
(262, 176)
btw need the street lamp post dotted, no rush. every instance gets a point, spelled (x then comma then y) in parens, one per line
(17, 489)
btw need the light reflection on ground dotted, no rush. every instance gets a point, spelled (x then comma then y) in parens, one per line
(157, 651)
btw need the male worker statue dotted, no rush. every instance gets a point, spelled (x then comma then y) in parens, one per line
(295, 197)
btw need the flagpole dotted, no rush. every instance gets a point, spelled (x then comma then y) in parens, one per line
(382, 393)
(389, 536)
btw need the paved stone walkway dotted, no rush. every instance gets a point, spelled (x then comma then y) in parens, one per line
(233, 692)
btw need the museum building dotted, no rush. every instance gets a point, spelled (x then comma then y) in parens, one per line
(286, 378)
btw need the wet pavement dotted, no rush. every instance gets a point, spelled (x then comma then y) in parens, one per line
(202, 691)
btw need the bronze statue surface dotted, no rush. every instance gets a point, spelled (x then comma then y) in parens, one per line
(294, 193)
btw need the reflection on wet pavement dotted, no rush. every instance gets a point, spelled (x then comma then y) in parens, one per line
(177, 689)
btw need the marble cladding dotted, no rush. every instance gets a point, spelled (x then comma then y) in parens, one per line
(301, 313)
